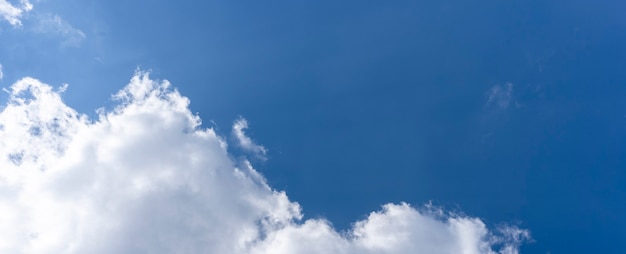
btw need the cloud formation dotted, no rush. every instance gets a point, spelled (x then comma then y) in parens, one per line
(500, 96)
(146, 178)
(54, 25)
(244, 141)
(12, 12)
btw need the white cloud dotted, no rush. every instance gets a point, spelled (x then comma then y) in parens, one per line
(54, 25)
(45, 23)
(1, 73)
(500, 96)
(13, 13)
(244, 141)
(146, 178)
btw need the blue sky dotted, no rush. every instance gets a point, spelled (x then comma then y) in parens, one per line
(510, 112)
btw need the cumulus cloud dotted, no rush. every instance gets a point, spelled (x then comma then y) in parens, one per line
(13, 12)
(54, 25)
(144, 177)
(244, 141)
(500, 96)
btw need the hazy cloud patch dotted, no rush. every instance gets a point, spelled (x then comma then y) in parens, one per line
(500, 96)
(55, 26)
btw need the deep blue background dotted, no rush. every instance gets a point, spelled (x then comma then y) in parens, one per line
(361, 103)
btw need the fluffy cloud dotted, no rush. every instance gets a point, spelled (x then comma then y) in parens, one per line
(13, 13)
(146, 178)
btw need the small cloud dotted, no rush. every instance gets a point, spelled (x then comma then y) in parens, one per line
(244, 141)
(54, 25)
(13, 13)
(500, 96)
(1, 73)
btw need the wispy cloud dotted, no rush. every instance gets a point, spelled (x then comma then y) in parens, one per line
(244, 141)
(13, 12)
(500, 96)
(1, 73)
(42, 23)
(146, 178)
(55, 26)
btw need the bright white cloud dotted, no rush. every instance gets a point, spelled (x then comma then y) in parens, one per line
(244, 141)
(13, 12)
(146, 178)
(500, 96)
(54, 25)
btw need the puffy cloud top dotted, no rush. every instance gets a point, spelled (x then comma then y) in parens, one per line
(146, 178)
